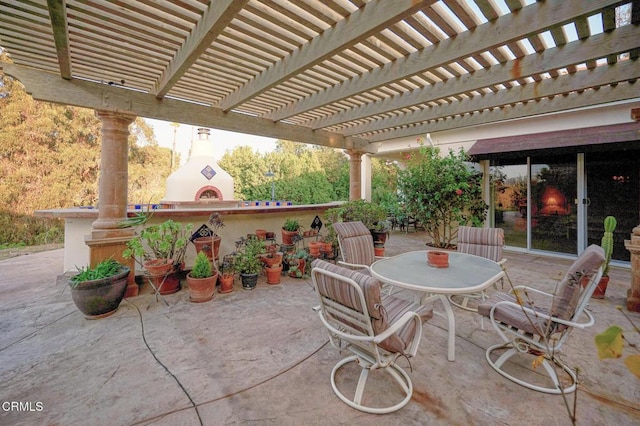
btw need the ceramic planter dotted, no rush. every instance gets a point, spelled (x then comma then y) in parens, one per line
(100, 298)
(249, 281)
(201, 289)
(261, 234)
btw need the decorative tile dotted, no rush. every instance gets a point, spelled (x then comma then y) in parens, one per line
(208, 172)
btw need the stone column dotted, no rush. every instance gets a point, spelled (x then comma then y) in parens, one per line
(633, 294)
(107, 239)
(355, 170)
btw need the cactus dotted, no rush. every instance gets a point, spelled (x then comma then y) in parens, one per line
(607, 242)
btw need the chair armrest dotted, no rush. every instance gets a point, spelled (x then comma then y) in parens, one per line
(396, 326)
(530, 289)
(353, 265)
(544, 316)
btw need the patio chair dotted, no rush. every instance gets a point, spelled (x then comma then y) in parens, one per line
(484, 242)
(541, 323)
(356, 245)
(376, 330)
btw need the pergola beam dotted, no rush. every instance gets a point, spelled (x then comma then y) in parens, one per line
(60, 28)
(372, 18)
(209, 27)
(528, 21)
(596, 47)
(49, 87)
(575, 100)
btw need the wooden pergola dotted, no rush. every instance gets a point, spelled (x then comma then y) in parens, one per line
(350, 74)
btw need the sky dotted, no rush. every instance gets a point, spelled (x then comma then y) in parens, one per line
(222, 139)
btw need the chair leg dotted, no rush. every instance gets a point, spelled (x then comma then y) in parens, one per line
(551, 371)
(397, 373)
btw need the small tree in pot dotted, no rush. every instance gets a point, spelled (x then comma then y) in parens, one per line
(442, 193)
(202, 279)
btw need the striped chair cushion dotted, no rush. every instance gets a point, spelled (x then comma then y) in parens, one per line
(514, 315)
(563, 305)
(485, 242)
(356, 242)
(568, 290)
(382, 312)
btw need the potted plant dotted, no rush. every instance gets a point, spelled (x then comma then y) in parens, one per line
(380, 231)
(607, 245)
(247, 262)
(290, 228)
(160, 249)
(227, 274)
(97, 292)
(210, 244)
(297, 263)
(201, 280)
(273, 273)
(442, 193)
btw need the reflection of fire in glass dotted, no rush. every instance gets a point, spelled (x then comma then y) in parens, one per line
(554, 202)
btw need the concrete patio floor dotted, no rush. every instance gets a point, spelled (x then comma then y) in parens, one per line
(262, 357)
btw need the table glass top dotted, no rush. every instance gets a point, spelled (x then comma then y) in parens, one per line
(465, 272)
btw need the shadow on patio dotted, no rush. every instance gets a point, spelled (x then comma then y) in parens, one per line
(261, 357)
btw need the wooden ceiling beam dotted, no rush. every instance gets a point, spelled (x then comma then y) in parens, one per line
(50, 87)
(530, 20)
(371, 19)
(60, 28)
(213, 22)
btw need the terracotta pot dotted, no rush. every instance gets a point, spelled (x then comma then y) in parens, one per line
(273, 274)
(601, 288)
(378, 251)
(270, 261)
(301, 265)
(226, 283)
(287, 236)
(327, 248)
(204, 244)
(438, 259)
(201, 289)
(314, 248)
(271, 235)
(158, 267)
(171, 283)
(261, 234)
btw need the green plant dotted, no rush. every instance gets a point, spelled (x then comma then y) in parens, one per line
(106, 268)
(293, 260)
(247, 259)
(358, 210)
(167, 240)
(291, 225)
(201, 267)
(607, 242)
(442, 193)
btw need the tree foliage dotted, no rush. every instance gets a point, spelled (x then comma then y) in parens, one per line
(50, 158)
(442, 193)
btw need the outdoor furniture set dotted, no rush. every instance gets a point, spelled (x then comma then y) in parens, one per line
(377, 328)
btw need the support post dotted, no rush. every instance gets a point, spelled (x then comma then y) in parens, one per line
(107, 238)
(633, 294)
(355, 174)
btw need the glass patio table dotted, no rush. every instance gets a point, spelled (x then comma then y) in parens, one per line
(466, 273)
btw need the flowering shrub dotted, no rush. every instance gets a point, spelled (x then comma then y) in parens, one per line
(442, 193)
